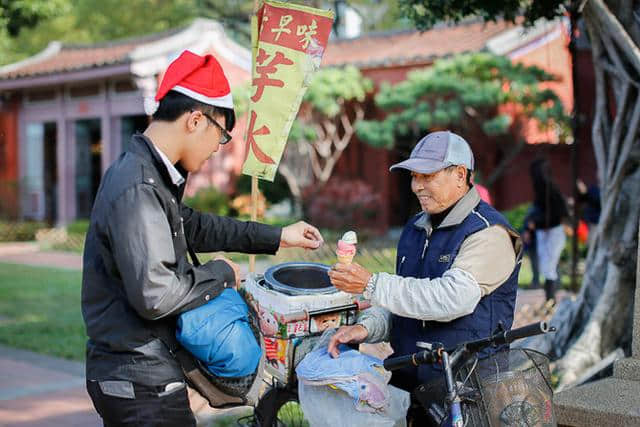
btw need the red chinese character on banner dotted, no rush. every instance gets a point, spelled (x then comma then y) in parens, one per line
(264, 71)
(252, 145)
(285, 20)
(308, 32)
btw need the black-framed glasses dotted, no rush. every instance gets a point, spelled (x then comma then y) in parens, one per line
(226, 136)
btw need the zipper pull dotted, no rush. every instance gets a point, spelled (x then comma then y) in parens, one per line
(424, 250)
(399, 269)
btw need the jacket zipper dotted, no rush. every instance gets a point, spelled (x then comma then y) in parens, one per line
(424, 249)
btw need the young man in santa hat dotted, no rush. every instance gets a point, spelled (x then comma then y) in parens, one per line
(136, 275)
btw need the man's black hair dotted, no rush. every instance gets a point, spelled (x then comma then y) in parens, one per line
(174, 104)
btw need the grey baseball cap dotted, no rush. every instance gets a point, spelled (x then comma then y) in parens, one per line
(437, 151)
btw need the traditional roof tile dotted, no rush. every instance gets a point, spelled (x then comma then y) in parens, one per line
(57, 57)
(412, 47)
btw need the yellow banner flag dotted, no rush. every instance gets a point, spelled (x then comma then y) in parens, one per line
(288, 41)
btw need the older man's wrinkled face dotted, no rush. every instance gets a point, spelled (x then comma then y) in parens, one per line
(438, 191)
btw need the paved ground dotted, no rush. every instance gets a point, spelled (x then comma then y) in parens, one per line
(41, 391)
(29, 253)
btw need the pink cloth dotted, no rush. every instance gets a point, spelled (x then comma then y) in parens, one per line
(483, 192)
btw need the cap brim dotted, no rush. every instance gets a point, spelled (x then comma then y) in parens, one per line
(420, 165)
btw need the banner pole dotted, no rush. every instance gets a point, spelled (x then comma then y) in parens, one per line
(254, 179)
(254, 216)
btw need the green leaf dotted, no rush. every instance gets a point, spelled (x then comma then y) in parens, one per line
(477, 87)
(498, 125)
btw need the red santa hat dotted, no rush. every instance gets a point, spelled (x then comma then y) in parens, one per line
(198, 77)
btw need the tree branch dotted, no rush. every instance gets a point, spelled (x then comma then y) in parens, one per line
(618, 68)
(616, 31)
(600, 108)
(616, 132)
(499, 169)
(623, 157)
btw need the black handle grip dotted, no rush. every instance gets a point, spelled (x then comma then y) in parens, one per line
(527, 331)
(414, 359)
(394, 363)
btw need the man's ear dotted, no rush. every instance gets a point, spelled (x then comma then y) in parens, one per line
(461, 173)
(192, 120)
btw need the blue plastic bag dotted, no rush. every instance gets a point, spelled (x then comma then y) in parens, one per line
(219, 335)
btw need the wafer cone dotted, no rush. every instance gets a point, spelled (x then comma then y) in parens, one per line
(345, 258)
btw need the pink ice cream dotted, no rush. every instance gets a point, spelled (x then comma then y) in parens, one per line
(347, 247)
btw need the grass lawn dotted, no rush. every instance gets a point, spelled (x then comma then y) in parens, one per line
(40, 310)
(40, 307)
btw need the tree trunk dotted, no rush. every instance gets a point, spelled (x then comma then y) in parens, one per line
(599, 319)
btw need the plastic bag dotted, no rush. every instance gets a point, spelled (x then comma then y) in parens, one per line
(328, 405)
(218, 333)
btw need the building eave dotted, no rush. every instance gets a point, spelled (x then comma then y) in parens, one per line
(52, 49)
(515, 39)
(57, 79)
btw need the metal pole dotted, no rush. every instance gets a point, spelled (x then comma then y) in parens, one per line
(254, 216)
(254, 180)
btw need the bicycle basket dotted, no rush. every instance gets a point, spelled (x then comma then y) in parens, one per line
(512, 388)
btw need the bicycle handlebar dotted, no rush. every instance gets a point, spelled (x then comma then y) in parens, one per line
(503, 337)
(528, 331)
(415, 359)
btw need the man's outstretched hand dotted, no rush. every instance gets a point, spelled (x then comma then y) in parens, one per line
(353, 334)
(301, 235)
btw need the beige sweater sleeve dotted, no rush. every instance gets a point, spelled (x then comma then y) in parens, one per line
(489, 256)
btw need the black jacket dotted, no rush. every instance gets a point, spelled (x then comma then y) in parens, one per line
(136, 276)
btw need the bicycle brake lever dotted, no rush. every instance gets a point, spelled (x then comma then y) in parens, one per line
(499, 329)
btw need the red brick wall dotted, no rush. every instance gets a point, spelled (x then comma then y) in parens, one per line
(9, 142)
(9, 160)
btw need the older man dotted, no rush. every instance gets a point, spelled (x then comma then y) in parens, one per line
(456, 268)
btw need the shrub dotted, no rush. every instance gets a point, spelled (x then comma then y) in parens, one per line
(21, 231)
(516, 215)
(242, 205)
(80, 226)
(275, 191)
(344, 203)
(209, 200)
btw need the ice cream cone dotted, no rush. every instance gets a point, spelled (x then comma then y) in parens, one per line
(347, 247)
(345, 258)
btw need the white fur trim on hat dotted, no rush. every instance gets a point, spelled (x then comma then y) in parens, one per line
(222, 101)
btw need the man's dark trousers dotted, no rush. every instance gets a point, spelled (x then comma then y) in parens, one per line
(151, 407)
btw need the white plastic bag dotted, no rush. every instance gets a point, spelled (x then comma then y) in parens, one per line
(323, 406)
(326, 406)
